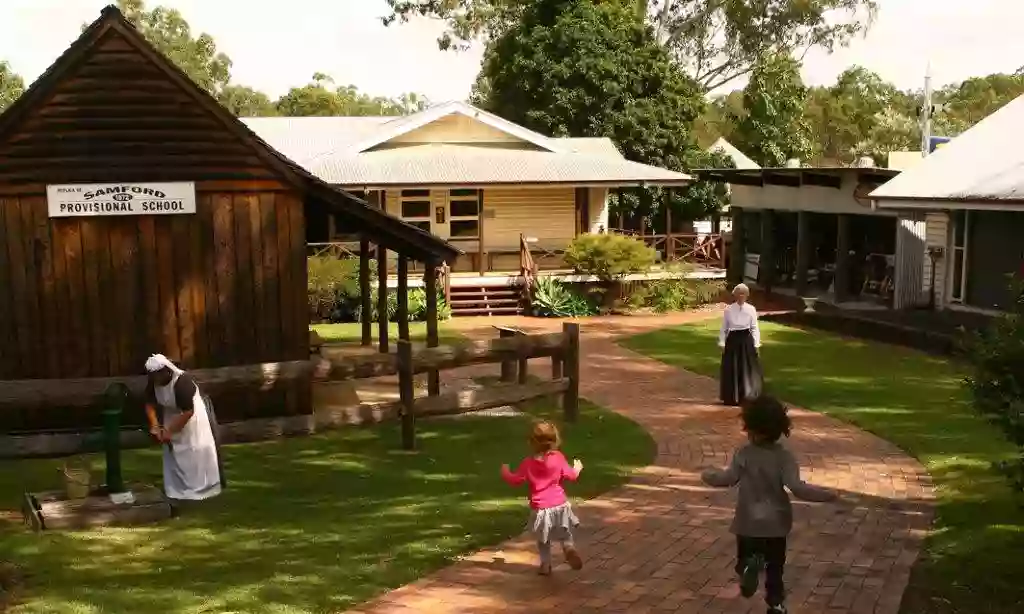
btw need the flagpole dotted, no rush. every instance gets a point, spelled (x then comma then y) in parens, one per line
(926, 112)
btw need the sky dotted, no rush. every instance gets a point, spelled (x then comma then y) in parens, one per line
(278, 45)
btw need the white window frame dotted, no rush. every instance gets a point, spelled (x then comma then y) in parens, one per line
(963, 250)
(479, 195)
(402, 199)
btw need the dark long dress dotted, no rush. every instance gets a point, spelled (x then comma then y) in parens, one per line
(741, 374)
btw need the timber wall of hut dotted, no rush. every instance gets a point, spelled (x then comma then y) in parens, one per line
(94, 296)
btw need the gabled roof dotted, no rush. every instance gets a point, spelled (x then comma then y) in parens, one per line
(405, 125)
(738, 157)
(388, 230)
(984, 164)
(335, 150)
(455, 165)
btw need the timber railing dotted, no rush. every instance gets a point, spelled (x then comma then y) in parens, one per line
(336, 249)
(512, 348)
(516, 347)
(706, 249)
(527, 270)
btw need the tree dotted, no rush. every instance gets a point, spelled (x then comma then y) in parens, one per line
(967, 103)
(580, 68)
(167, 30)
(860, 115)
(720, 117)
(775, 128)
(319, 97)
(11, 85)
(716, 41)
(246, 102)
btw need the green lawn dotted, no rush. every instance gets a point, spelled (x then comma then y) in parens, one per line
(351, 332)
(308, 525)
(975, 558)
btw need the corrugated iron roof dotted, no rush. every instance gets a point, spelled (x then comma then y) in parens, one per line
(738, 157)
(985, 163)
(324, 146)
(470, 165)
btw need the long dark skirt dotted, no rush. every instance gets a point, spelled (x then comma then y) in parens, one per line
(741, 375)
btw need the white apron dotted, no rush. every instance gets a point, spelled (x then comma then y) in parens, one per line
(191, 470)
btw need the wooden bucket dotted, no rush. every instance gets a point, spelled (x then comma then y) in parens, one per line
(77, 477)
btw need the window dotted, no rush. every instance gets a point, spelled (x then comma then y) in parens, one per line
(416, 209)
(465, 229)
(961, 225)
(464, 213)
(465, 208)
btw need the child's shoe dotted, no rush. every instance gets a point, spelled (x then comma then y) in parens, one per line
(544, 569)
(573, 558)
(751, 576)
(778, 609)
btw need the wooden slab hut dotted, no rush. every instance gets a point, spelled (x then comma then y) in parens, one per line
(89, 292)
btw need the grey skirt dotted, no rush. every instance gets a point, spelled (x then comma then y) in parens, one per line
(553, 523)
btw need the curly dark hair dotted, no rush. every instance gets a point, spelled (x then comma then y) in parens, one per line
(766, 418)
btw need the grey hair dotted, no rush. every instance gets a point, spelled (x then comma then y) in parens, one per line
(741, 289)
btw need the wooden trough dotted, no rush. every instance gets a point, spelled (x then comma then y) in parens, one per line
(52, 510)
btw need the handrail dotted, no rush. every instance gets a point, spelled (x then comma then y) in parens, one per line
(527, 269)
(444, 275)
(683, 246)
(337, 249)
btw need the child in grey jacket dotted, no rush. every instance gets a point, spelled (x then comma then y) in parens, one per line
(764, 469)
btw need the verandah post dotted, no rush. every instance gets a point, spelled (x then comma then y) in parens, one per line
(430, 287)
(365, 301)
(403, 297)
(382, 299)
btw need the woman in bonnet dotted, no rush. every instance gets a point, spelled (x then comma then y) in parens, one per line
(741, 375)
(187, 427)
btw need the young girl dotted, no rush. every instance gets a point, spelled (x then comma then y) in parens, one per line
(551, 517)
(763, 468)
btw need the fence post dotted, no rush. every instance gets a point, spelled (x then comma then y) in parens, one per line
(571, 400)
(508, 367)
(524, 366)
(407, 394)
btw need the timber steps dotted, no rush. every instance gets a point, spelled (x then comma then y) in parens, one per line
(486, 300)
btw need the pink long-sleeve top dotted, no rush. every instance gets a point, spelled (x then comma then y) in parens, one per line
(543, 475)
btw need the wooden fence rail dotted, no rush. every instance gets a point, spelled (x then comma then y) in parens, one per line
(513, 347)
(515, 350)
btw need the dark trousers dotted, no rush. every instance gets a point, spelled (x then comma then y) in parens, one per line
(773, 550)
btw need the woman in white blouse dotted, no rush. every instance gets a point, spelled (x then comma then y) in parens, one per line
(741, 375)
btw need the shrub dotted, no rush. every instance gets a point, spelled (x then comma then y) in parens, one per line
(997, 379)
(609, 257)
(417, 306)
(329, 281)
(554, 299)
(665, 295)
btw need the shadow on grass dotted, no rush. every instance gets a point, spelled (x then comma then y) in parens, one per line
(307, 525)
(972, 561)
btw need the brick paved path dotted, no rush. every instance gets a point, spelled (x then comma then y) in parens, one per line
(661, 543)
